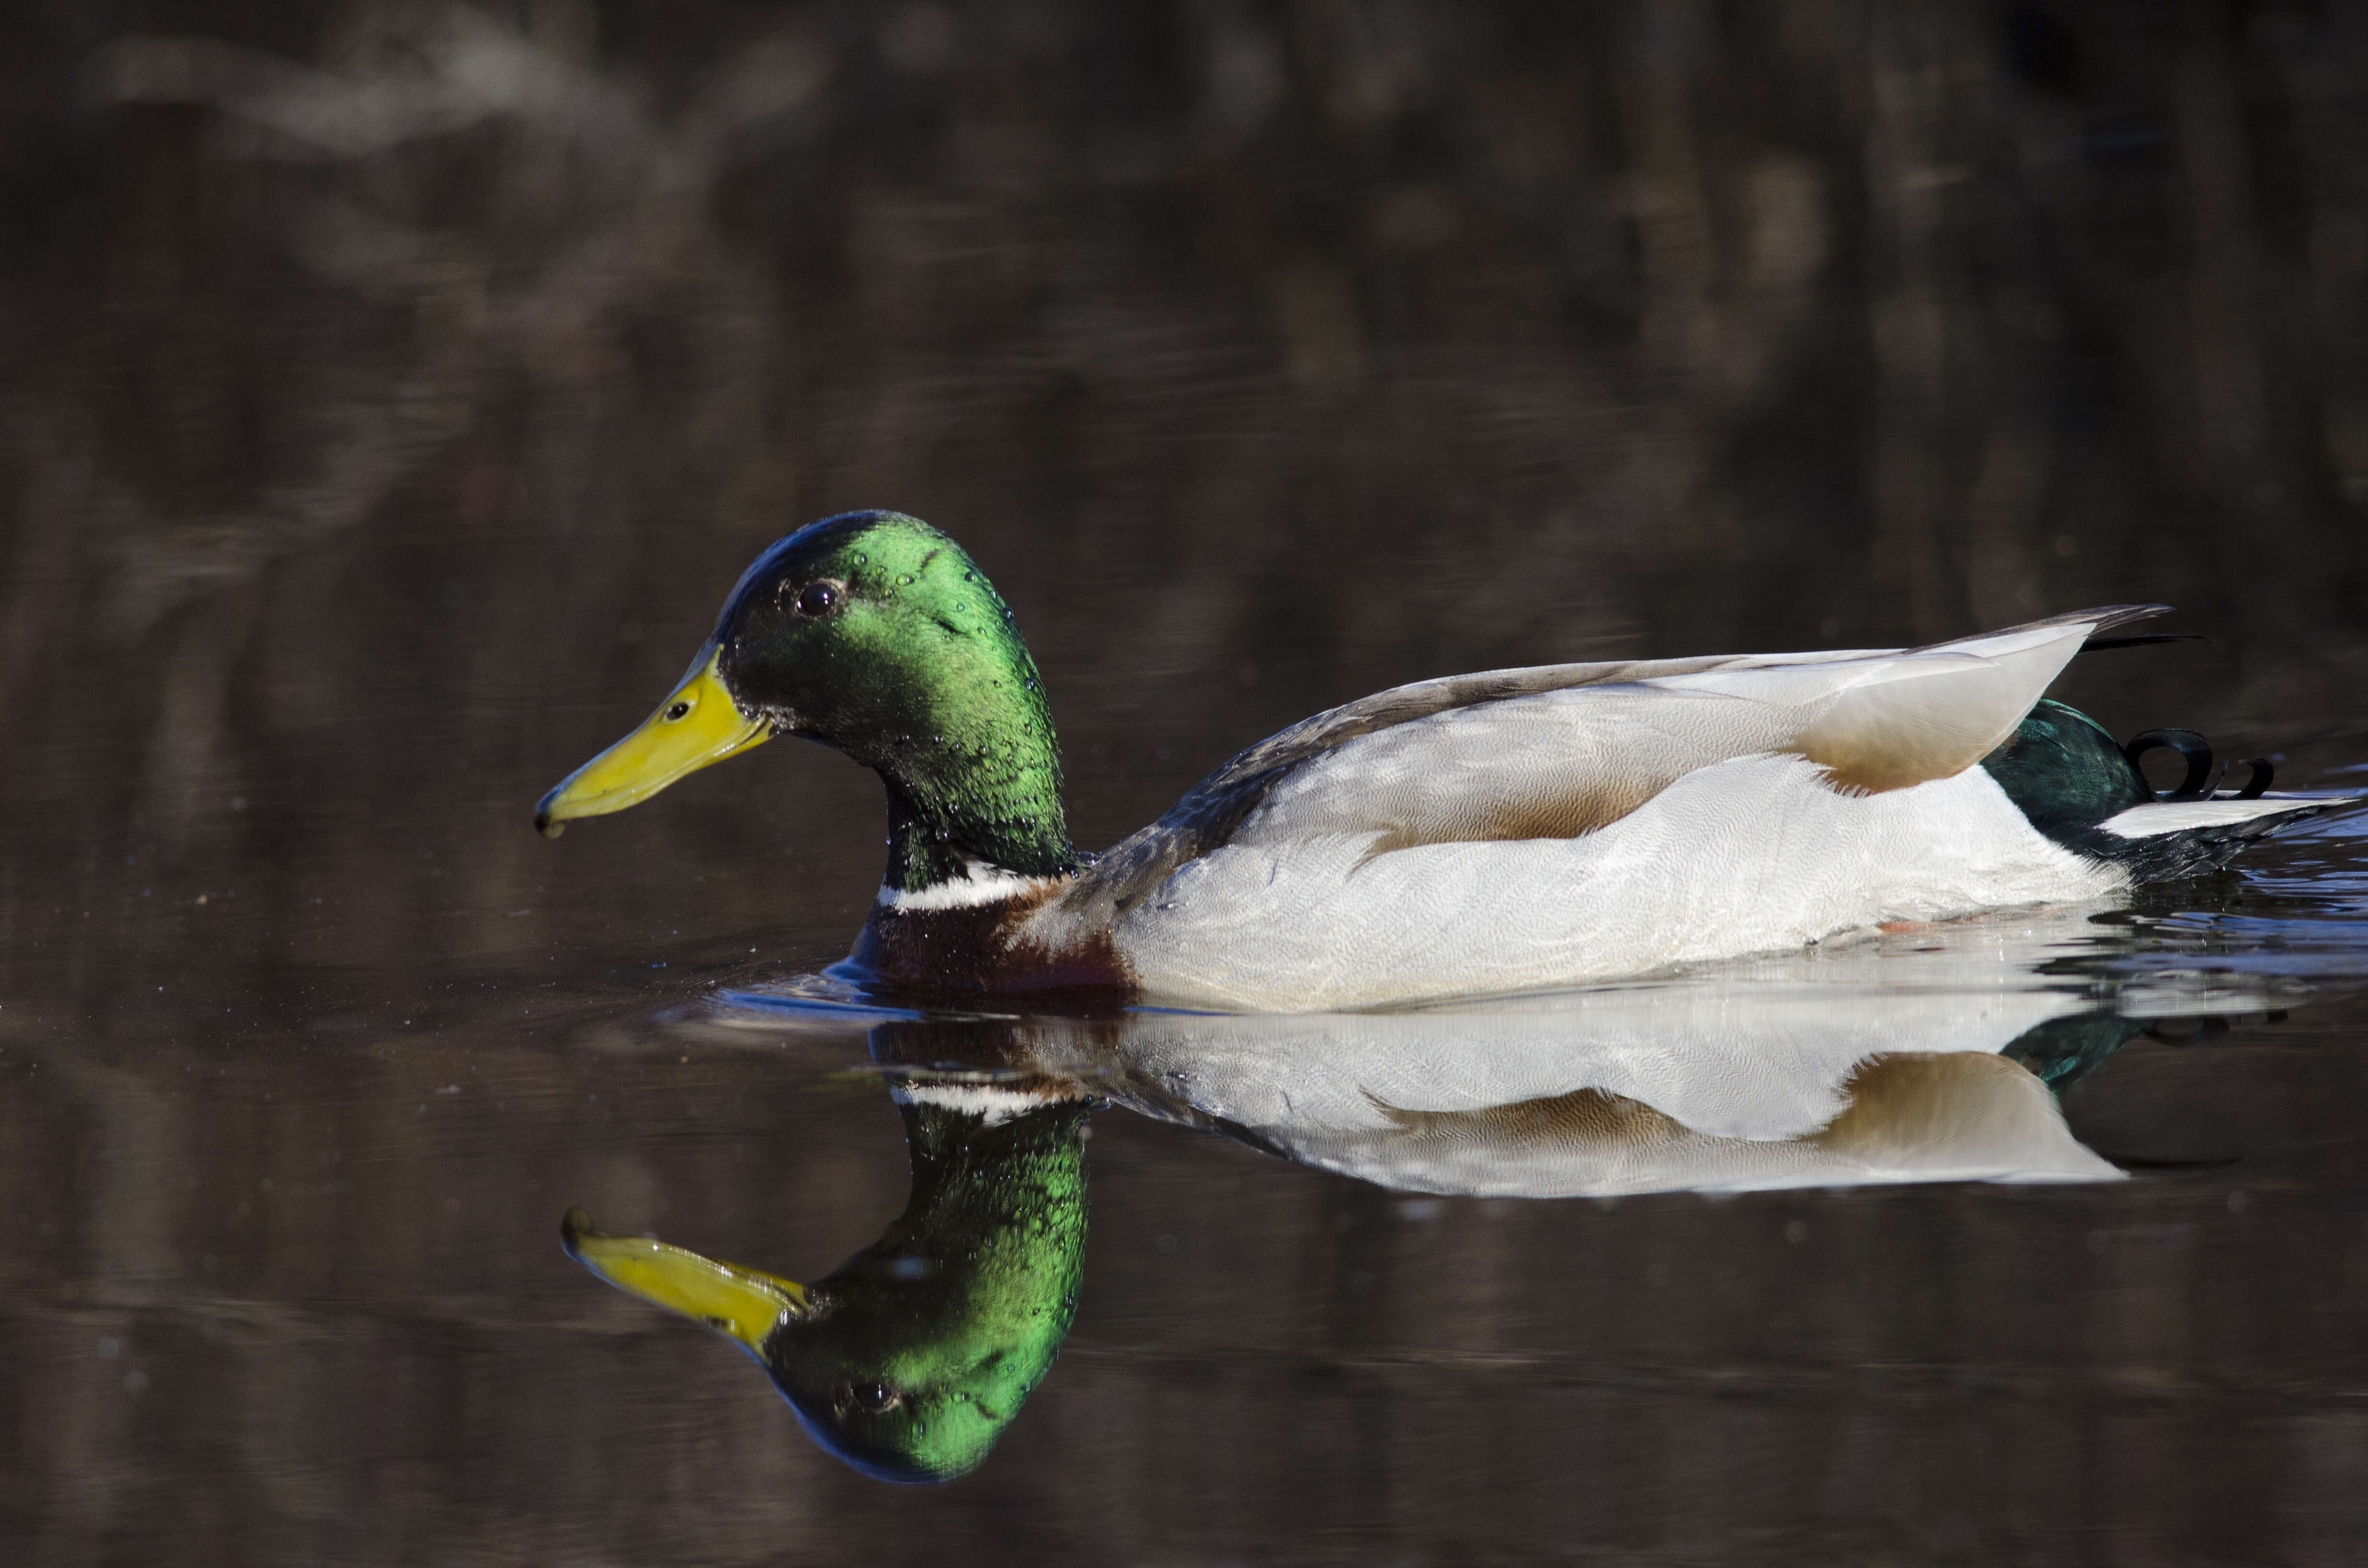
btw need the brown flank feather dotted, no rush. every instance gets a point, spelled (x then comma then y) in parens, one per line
(1571, 813)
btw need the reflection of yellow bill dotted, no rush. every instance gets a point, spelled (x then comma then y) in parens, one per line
(743, 1302)
(698, 723)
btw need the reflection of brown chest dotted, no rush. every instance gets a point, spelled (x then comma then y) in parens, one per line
(985, 948)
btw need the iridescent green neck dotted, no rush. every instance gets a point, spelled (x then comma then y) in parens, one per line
(983, 786)
(957, 726)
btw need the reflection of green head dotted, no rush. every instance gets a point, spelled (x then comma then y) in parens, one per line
(911, 1359)
(921, 1348)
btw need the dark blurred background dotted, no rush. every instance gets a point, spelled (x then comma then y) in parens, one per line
(389, 392)
(1265, 353)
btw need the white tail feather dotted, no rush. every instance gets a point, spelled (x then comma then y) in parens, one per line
(2181, 816)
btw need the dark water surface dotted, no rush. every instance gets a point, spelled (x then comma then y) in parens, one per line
(284, 1280)
(392, 392)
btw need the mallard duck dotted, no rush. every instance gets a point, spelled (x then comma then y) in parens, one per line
(1515, 830)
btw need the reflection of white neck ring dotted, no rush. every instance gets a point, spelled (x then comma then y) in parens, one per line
(992, 1104)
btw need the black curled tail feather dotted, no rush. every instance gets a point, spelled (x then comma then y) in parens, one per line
(2201, 782)
(2192, 749)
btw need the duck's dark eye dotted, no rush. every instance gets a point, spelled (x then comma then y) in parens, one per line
(679, 710)
(877, 1397)
(815, 599)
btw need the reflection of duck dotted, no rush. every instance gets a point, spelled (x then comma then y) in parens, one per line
(910, 1360)
(1488, 833)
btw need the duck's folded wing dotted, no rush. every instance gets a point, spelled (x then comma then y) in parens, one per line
(1888, 721)
(1563, 750)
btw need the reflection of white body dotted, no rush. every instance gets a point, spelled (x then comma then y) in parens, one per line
(1637, 1090)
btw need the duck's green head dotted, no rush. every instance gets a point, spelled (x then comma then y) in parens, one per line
(910, 1360)
(872, 633)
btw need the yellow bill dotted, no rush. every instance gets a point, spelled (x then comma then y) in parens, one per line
(698, 723)
(743, 1302)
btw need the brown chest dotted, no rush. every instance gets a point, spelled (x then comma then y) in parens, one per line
(985, 948)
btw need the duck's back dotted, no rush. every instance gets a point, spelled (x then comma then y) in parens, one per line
(1542, 827)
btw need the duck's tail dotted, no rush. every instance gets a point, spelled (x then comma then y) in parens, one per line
(2084, 789)
(2176, 838)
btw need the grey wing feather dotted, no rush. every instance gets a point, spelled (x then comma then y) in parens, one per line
(1210, 811)
(2103, 617)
